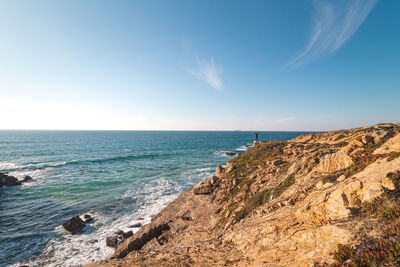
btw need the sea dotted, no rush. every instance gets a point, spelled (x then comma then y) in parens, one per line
(118, 177)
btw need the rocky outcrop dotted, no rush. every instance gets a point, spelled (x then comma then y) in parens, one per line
(392, 145)
(74, 225)
(8, 180)
(205, 187)
(278, 204)
(111, 241)
(334, 162)
(138, 242)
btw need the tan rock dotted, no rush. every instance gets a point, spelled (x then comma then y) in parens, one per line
(341, 178)
(203, 187)
(334, 162)
(319, 185)
(297, 225)
(366, 139)
(326, 185)
(391, 145)
(388, 184)
(219, 171)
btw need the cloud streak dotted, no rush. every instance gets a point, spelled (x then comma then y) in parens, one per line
(285, 119)
(209, 73)
(333, 23)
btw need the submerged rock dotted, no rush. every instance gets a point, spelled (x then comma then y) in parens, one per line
(27, 179)
(8, 180)
(229, 153)
(74, 225)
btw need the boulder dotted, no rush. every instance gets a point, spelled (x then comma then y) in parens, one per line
(388, 183)
(140, 219)
(229, 153)
(119, 232)
(111, 241)
(366, 139)
(202, 188)
(27, 179)
(127, 234)
(334, 162)
(74, 225)
(8, 180)
(213, 180)
(219, 171)
(135, 225)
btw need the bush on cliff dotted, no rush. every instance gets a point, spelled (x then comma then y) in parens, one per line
(262, 197)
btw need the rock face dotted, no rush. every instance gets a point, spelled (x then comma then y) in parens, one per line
(8, 180)
(74, 225)
(277, 204)
(334, 162)
(111, 241)
(203, 187)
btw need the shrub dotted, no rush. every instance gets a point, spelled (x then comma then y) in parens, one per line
(341, 136)
(262, 197)
(392, 156)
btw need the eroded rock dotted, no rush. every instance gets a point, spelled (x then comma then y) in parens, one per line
(334, 162)
(74, 225)
(111, 241)
(8, 180)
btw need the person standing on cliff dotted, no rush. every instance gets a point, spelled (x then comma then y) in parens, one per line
(256, 137)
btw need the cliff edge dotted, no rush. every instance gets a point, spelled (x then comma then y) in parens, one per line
(316, 200)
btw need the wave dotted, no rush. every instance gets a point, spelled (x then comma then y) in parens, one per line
(65, 249)
(12, 167)
(242, 148)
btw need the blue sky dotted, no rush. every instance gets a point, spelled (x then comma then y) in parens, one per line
(199, 65)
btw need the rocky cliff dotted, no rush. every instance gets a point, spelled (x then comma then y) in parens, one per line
(319, 199)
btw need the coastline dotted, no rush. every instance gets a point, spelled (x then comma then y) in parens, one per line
(279, 203)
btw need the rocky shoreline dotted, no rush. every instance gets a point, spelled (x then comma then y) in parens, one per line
(319, 199)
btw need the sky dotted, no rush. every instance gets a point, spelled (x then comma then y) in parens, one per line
(273, 65)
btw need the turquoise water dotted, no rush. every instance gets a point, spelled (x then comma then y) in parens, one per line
(117, 176)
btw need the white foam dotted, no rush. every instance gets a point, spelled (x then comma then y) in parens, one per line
(126, 150)
(75, 250)
(5, 165)
(242, 148)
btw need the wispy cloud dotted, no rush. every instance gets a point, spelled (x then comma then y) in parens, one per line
(209, 73)
(333, 23)
(285, 119)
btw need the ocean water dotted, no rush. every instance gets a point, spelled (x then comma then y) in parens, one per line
(116, 176)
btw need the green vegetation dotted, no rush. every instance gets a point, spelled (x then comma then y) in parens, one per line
(310, 146)
(341, 136)
(248, 161)
(332, 177)
(342, 144)
(384, 250)
(262, 197)
(394, 155)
